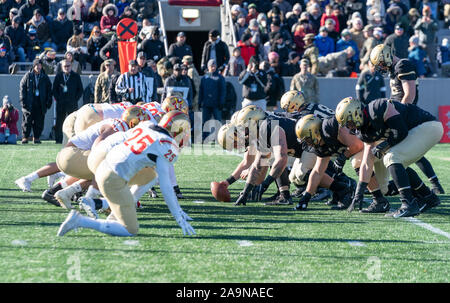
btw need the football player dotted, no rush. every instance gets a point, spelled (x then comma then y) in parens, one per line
(404, 88)
(146, 146)
(399, 134)
(327, 140)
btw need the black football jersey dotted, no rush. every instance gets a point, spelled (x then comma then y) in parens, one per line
(329, 134)
(295, 148)
(403, 70)
(374, 127)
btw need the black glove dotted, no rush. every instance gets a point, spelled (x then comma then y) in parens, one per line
(359, 196)
(339, 163)
(261, 189)
(380, 150)
(303, 203)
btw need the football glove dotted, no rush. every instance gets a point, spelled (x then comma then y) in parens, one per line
(339, 163)
(359, 196)
(303, 203)
(185, 216)
(380, 150)
(185, 226)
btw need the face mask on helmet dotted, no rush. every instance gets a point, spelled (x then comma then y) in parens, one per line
(178, 125)
(349, 113)
(133, 115)
(175, 103)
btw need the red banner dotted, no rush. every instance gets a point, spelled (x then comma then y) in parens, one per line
(444, 117)
(127, 52)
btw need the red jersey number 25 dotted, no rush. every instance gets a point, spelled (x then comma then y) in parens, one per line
(138, 143)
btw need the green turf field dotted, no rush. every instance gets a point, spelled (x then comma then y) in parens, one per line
(253, 243)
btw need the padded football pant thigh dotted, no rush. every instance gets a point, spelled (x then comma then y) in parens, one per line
(302, 167)
(116, 191)
(142, 177)
(420, 139)
(86, 117)
(381, 172)
(96, 156)
(68, 127)
(73, 162)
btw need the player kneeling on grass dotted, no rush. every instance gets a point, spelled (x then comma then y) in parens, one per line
(327, 139)
(147, 146)
(399, 134)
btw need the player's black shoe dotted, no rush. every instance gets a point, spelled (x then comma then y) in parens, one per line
(408, 209)
(379, 205)
(344, 199)
(321, 195)
(298, 192)
(281, 200)
(428, 202)
(178, 193)
(333, 201)
(50, 198)
(271, 198)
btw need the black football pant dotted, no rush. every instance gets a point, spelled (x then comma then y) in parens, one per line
(62, 111)
(33, 121)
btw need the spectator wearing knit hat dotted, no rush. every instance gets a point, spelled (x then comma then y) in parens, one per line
(236, 65)
(347, 41)
(4, 62)
(294, 16)
(240, 27)
(180, 48)
(279, 46)
(324, 44)
(398, 42)
(252, 13)
(248, 50)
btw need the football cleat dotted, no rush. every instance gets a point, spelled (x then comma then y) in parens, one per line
(408, 209)
(281, 200)
(70, 223)
(437, 189)
(152, 193)
(64, 198)
(428, 202)
(302, 206)
(271, 198)
(52, 179)
(178, 192)
(298, 192)
(24, 184)
(344, 199)
(333, 201)
(380, 205)
(50, 198)
(88, 205)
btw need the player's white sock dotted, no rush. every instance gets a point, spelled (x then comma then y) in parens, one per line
(105, 204)
(113, 228)
(63, 183)
(73, 189)
(31, 177)
(92, 192)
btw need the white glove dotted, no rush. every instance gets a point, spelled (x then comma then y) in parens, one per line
(186, 216)
(185, 226)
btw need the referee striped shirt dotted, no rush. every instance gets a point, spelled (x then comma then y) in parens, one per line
(137, 82)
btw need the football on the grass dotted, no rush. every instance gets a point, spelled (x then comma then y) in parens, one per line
(220, 192)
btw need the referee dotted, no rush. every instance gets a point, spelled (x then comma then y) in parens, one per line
(131, 86)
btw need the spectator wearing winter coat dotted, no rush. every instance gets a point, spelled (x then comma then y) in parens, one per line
(94, 12)
(394, 14)
(292, 67)
(192, 73)
(5, 7)
(417, 55)
(328, 14)
(152, 46)
(49, 63)
(42, 29)
(76, 66)
(211, 98)
(324, 44)
(26, 11)
(146, 9)
(239, 27)
(94, 44)
(180, 48)
(274, 88)
(248, 50)
(253, 82)
(8, 123)
(77, 46)
(347, 41)
(427, 28)
(110, 50)
(110, 18)
(279, 46)
(18, 38)
(32, 45)
(176, 84)
(61, 29)
(357, 32)
(236, 64)
(398, 42)
(330, 25)
(294, 16)
(4, 62)
(216, 49)
(131, 13)
(284, 6)
(121, 4)
(5, 41)
(306, 83)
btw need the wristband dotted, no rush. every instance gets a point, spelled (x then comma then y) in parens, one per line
(231, 180)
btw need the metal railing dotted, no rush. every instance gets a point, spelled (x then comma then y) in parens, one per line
(163, 27)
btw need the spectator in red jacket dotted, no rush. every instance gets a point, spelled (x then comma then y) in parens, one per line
(247, 48)
(8, 123)
(329, 15)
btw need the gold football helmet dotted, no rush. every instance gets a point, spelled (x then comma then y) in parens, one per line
(381, 57)
(175, 103)
(349, 113)
(178, 125)
(251, 113)
(226, 137)
(292, 101)
(308, 128)
(133, 115)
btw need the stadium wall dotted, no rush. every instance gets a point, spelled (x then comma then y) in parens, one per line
(432, 93)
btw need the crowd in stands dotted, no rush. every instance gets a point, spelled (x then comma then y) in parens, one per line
(282, 38)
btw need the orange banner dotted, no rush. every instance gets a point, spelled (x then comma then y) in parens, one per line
(127, 52)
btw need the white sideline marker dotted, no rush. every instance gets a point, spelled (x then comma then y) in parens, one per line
(428, 227)
(19, 243)
(356, 243)
(131, 242)
(245, 243)
(198, 201)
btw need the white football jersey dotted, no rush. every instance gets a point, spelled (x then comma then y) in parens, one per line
(86, 138)
(144, 144)
(154, 109)
(115, 110)
(111, 141)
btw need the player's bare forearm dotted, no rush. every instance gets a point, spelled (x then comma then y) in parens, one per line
(366, 168)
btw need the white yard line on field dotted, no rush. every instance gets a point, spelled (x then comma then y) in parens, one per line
(428, 227)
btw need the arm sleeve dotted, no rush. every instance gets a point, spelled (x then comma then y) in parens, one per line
(406, 71)
(162, 168)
